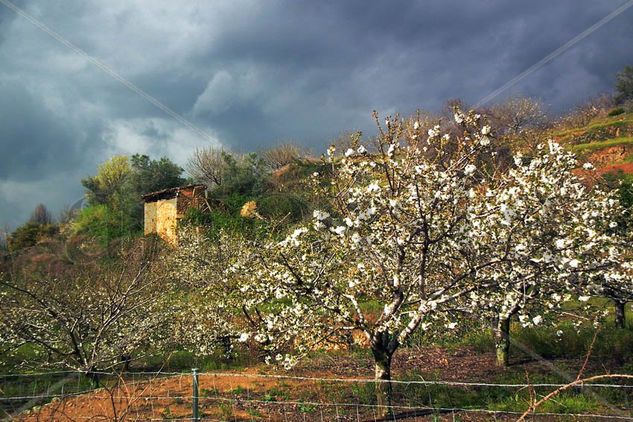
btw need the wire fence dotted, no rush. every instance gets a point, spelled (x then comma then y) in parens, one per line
(67, 395)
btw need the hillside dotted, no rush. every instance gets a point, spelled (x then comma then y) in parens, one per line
(245, 297)
(606, 142)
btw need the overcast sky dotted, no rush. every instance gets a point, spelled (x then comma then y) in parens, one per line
(251, 73)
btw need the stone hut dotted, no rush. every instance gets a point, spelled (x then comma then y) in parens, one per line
(164, 208)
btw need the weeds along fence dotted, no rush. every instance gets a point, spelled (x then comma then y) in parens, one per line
(222, 396)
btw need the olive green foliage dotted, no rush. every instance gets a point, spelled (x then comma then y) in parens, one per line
(109, 186)
(114, 194)
(243, 175)
(247, 178)
(626, 192)
(624, 85)
(29, 234)
(39, 226)
(151, 175)
(286, 205)
(566, 341)
(217, 220)
(616, 112)
(104, 223)
(244, 178)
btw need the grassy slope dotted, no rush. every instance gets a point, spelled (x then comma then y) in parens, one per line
(622, 120)
(600, 145)
(599, 135)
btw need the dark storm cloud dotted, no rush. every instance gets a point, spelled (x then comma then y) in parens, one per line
(34, 141)
(393, 56)
(251, 73)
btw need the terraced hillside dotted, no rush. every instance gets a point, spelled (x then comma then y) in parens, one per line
(605, 142)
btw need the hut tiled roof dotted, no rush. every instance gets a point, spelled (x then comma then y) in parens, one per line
(169, 192)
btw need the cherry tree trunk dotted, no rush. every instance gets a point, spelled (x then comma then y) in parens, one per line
(384, 390)
(94, 377)
(502, 340)
(620, 314)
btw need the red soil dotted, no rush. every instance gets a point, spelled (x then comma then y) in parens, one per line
(246, 396)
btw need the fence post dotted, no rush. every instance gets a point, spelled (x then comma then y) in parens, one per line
(194, 404)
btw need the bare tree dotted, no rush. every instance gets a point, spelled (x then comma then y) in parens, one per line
(281, 155)
(90, 317)
(208, 165)
(520, 123)
(595, 107)
(41, 215)
(516, 115)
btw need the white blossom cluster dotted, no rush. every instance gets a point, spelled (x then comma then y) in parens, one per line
(429, 227)
(205, 313)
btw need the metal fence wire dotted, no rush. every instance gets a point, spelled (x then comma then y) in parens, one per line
(222, 396)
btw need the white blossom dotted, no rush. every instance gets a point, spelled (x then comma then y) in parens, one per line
(469, 169)
(391, 149)
(320, 215)
(339, 230)
(373, 187)
(416, 216)
(560, 243)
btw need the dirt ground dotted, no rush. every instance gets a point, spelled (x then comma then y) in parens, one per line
(249, 395)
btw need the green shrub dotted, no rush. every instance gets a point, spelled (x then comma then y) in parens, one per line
(307, 408)
(29, 234)
(616, 112)
(226, 411)
(217, 220)
(614, 343)
(103, 224)
(197, 217)
(282, 205)
(560, 341)
(565, 341)
(570, 403)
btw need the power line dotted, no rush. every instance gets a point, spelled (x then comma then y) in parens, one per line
(108, 70)
(554, 54)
